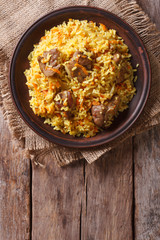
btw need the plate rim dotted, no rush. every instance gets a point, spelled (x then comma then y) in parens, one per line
(69, 143)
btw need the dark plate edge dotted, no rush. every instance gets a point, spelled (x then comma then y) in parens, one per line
(69, 143)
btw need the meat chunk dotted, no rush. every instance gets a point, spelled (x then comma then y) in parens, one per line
(53, 67)
(65, 99)
(54, 56)
(82, 60)
(112, 108)
(120, 77)
(78, 66)
(117, 57)
(76, 70)
(103, 113)
(98, 113)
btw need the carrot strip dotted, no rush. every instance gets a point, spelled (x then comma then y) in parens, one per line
(103, 26)
(83, 68)
(77, 101)
(44, 37)
(98, 68)
(50, 86)
(65, 114)
(113, 41)
(81, 106)
(54, 30)
(37, 75)
(95, 103)
(58, 114)
(35, 85)
(58, 84)
(54, 70)
(45, 92)
(92, 83)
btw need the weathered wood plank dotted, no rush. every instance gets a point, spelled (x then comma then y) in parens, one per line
(147, 185)
(57, 198)
(107, 209)
(147, 165)
(84, 201)
(14, 189)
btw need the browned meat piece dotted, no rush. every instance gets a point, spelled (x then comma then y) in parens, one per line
(80, 72)
(48, 71)
(120, 77)
(78, 66)
(54, 56)
(68, 114)
(112, 108)
(53, 63)
(65, 103)
(117, 57)
(98, 113)
(102, 113)
(82, 60)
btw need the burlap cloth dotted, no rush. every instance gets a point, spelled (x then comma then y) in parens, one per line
(16, 17)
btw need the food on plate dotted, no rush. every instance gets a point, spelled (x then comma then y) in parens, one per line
(52, 68)
(80, 77)
(105, 112)
(78, 66)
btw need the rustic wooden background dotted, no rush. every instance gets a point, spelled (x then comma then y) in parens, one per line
(116, 198)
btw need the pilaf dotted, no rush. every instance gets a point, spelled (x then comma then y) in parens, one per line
(80, 77)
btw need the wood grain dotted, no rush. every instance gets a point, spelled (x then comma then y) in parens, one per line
(57, 199)
(147, 185)
(84, 201)
(147, 166)
(107, 208)
(14, 189)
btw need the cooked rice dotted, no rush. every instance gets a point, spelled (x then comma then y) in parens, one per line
(98, 87)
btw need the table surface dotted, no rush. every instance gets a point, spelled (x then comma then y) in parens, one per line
(115, 198)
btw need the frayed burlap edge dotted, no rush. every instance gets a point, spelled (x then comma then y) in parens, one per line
(133, 14)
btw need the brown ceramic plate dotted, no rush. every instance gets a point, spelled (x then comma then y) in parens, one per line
(20, 62)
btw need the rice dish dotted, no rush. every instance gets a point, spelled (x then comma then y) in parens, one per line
(80, 77)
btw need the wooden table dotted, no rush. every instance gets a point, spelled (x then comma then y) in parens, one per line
(116, 198)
